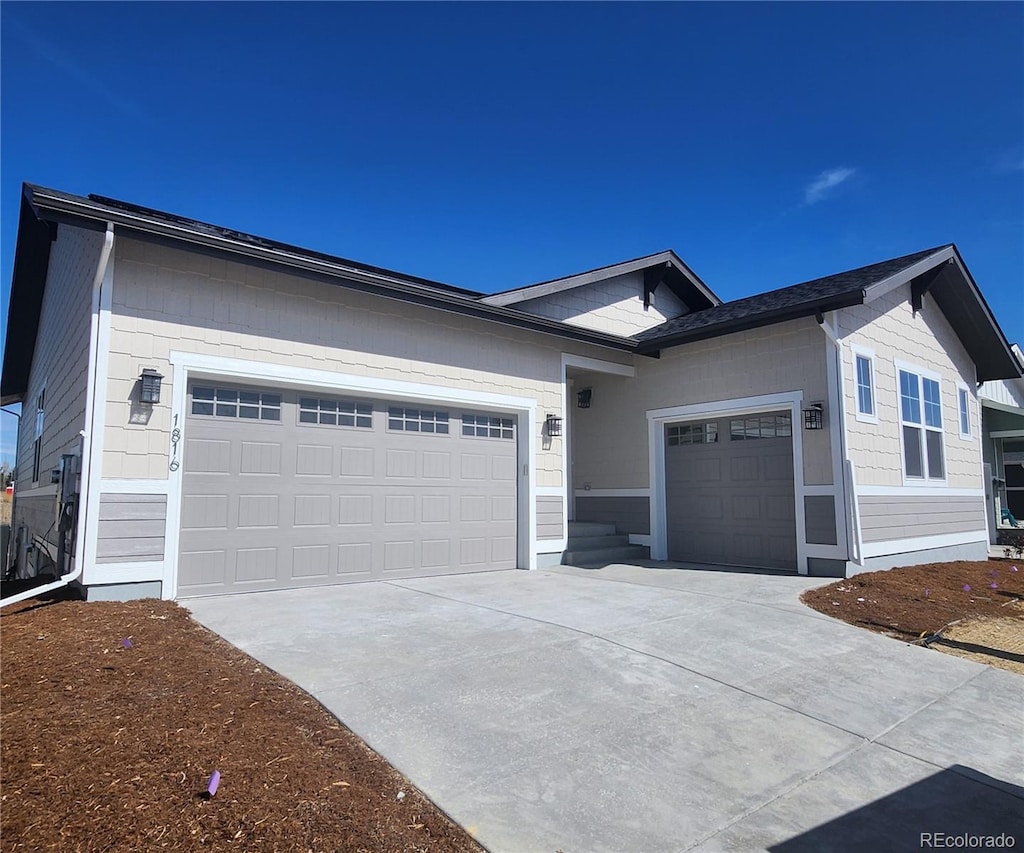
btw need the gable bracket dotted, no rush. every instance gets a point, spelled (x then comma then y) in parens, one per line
(923, 283)
(653, 276)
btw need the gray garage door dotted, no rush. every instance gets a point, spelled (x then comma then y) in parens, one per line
(291, 489)
(729, 491)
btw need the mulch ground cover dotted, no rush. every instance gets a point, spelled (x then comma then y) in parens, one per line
(115, 717)
(916, 602)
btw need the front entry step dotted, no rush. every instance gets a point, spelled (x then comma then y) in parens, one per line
(593, 543)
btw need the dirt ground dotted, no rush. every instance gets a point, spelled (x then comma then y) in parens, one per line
(975, 608)
(116, 715)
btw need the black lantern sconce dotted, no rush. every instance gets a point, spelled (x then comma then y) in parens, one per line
(583, 397)
(552, 425)
(814, 416)
(150, 389)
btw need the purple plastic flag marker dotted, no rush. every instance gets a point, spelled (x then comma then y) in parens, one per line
(126, 643)
(214, 783)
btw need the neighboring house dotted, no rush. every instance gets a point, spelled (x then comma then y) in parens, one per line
(323, 421)
(1002, 426)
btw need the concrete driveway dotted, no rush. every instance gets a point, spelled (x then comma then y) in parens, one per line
(648, 709)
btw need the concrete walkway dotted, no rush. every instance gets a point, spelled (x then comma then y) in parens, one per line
(646, 709)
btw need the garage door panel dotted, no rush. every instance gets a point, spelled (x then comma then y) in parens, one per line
(208, 456)
(311, 511)
(260, 458)
(255, 565)
(756, 524)
(293, 503)
(204, 512)
(258, 511)
(314, 460)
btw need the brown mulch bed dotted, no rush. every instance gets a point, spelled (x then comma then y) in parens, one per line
(115, 716)
(977, 606)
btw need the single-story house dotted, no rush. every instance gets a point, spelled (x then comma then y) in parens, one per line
(1002, 427)
(207, 411)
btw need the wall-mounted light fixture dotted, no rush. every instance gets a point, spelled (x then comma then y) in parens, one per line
(552, 425)
(583, 397)
(150, 389)
(814, 416)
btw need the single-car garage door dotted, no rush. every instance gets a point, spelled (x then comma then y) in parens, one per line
(729, 491)
(286, 489)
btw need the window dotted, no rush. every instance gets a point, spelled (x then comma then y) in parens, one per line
(231, 403)
(865, 387)
(402, 419)
(487, 426)
(313, 410)
(760, 426)
(37, 444)
(964, 405)
(682, 434)
(922, 436)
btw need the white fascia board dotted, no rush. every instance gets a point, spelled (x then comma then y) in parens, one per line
(738, 406)
(903, 276)
(1000, 407)
(923, 543)
(918, 492)
(596, 365)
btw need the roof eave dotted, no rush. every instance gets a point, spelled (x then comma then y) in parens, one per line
(83, 212)
(743, 324)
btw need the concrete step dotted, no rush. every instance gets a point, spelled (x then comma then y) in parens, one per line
(582, 543)
(604, 556)
(590, 528)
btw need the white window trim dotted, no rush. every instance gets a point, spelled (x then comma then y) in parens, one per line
(921, 373)
(869, 354)
(38, 430)
(969, 435)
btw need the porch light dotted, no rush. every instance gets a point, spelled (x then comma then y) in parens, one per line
(814, 416)
(150, 391)
(552, 425)
(583, 398)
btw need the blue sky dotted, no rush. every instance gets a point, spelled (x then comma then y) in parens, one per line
(494, 145)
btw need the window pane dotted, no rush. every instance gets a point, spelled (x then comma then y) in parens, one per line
(307, 417)
(932, 403)
(442, 427)
(935, 461)
(225, 411)
(251, 397)
(226, 396)
(270, 415)
(913, 464)
(307, 403)
(202, 393)
(346, 420)
(201, 408)
(328, 418)
(865, 403)
(251, 412)
(328, 406)
(965, 418)
(395, 424)
(910, 398)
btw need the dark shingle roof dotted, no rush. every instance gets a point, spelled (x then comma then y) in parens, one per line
(798, 300)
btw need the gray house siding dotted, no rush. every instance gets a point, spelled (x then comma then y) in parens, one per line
(820, 519)
(885, 519)
(549, 517)
(629, 514)
(131, 528)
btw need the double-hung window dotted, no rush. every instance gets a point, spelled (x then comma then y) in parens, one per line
(921, 420)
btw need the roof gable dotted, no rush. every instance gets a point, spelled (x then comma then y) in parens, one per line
(661, 268)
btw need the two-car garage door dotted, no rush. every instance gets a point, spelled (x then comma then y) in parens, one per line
(729, 491)
(285, 488)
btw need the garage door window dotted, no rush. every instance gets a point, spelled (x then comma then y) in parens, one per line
(692, 434)
(487, 426)
(232, 403)
(401, 419)
(761, 426)
(314, 410)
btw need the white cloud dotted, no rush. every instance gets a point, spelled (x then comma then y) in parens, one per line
(827, 181)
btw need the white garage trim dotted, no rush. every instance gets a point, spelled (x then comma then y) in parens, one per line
(188, 366)
(656, 420)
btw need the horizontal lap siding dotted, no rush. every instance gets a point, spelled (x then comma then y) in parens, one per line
(888, 518)
(131, 528)
(549, 517)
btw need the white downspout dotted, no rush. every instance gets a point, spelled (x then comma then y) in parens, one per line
(852, 513)
(92, 392)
